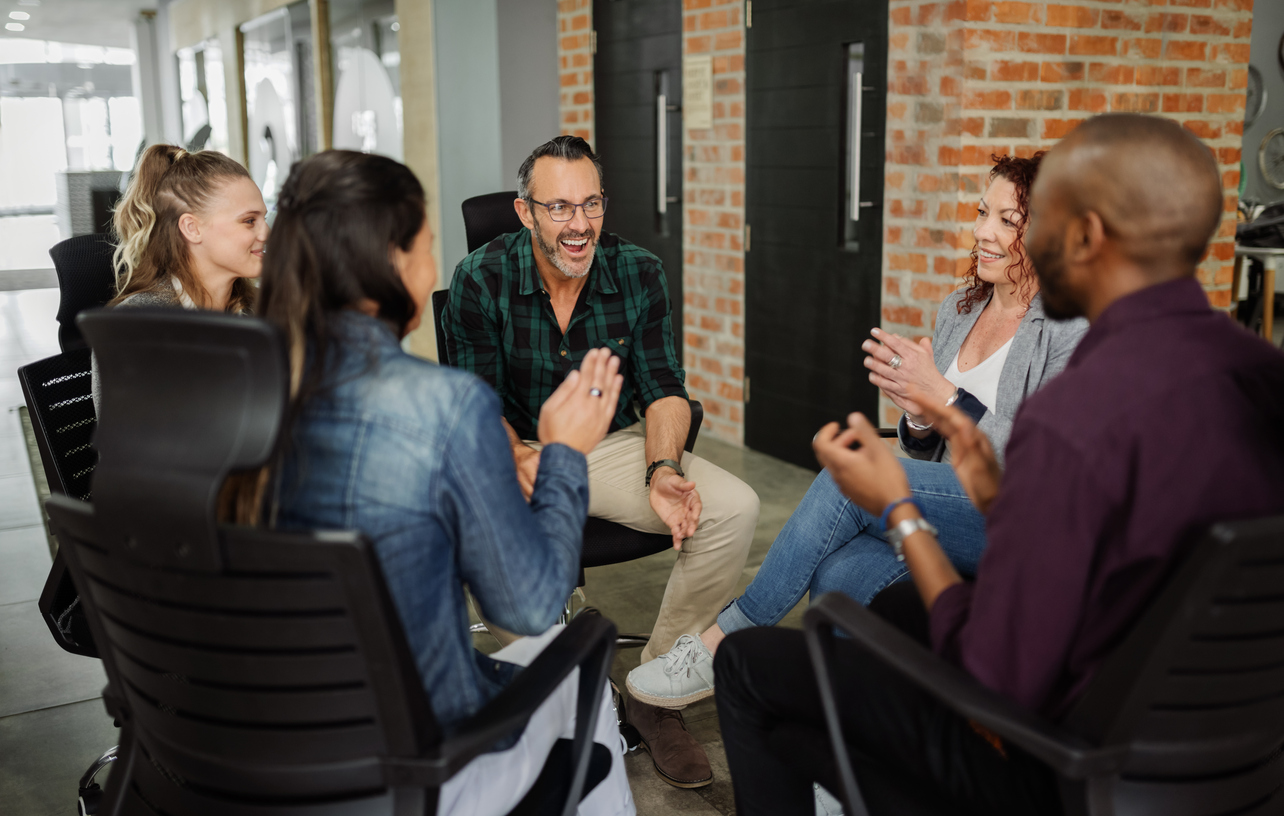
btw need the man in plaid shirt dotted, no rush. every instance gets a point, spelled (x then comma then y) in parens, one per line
(523, 311)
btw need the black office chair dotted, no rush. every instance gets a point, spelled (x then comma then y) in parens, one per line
(57, 392)
(254, 671)
(1184, 718)
(487, 217)
(86, 280)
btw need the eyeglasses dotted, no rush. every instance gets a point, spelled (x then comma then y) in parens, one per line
(561, 211)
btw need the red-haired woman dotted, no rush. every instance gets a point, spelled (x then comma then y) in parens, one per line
(992, 347)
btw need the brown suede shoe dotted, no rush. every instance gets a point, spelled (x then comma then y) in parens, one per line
(679, 759)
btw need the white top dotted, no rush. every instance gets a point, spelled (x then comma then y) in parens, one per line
(981, 381)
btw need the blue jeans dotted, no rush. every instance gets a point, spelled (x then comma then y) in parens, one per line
(830, 544)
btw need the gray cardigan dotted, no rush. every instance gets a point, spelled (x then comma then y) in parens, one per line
(164, 296)
(1040, 350)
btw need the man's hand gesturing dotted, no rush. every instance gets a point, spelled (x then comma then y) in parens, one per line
(676, 502)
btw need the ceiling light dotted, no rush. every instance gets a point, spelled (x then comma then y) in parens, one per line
(15, 27)
(19, 15)
(28, 2)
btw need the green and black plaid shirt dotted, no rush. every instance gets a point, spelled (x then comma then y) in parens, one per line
(501, 326)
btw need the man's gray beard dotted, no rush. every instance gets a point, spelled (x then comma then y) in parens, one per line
(551, 254)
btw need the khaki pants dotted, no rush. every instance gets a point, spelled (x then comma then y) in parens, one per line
(709, 566)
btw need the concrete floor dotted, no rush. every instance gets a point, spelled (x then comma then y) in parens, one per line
(52, 721)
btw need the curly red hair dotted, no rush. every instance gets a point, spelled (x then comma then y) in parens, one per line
(1021, 173)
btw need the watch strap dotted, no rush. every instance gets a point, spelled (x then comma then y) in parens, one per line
(904, 529)
(659, 463)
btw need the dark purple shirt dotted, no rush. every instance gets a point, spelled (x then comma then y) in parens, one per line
(1168, 418)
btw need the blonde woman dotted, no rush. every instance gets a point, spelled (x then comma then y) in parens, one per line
(191, 231)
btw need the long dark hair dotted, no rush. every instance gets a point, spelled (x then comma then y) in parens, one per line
(169, 182)
(339, 215)
(1021, 173)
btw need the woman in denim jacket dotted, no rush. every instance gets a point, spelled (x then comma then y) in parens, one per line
(414, 455)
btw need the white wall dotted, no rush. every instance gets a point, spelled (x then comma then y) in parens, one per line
(528, 80)
(497, 95)
(468, 114)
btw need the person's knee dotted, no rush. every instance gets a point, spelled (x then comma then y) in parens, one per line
(733, 502)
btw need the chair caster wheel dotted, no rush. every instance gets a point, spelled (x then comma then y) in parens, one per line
(90, 797)
(632, 739)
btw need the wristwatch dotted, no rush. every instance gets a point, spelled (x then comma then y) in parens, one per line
(897, 534)
(659, 463)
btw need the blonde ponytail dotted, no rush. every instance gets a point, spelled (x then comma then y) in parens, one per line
(150, 249)
(134, 217)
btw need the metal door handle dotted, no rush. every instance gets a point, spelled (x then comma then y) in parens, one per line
(854, 131)
(661, 153)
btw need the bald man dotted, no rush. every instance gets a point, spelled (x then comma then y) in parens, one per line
(1168, 418)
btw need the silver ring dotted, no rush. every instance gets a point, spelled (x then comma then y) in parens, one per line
(895, 362)
(595, 392)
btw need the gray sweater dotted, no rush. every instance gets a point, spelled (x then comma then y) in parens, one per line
(1040, 350)
(163, 295)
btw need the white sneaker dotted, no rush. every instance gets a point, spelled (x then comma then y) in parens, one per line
(681, 677)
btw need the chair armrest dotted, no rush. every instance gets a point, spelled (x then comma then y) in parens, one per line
(697, 417)
(1067, 754)
(588, 642)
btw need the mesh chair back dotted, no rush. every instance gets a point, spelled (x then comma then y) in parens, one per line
(1197, 688)
(85, 280)
(59, 400)
(486, 217)
(60, 403)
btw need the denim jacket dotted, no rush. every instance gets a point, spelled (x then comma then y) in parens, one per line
(413, 455)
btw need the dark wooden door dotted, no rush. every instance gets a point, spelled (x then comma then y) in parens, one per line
(814, 191)
(638, 67)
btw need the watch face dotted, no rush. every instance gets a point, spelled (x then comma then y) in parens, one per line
(1256, 100)
(1270, 158)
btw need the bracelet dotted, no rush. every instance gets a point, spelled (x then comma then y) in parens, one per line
(887, 512)
(914, 426)
(958, 392)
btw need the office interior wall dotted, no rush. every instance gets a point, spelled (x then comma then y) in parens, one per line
(528, 85)
(469, 119)
(419, 134)
(575, 67)
(968, 80)
(190, 22)
(167, 69)
(713, 166)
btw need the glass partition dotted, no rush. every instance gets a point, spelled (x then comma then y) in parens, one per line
(366, 65)
(202, 89)
(280, 118)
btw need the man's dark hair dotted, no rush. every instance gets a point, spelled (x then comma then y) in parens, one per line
(567, 148)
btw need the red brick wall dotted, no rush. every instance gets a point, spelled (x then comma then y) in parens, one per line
(966, 78)
(713, 212)
(713, 232)
(575, 60)
(970, 78)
